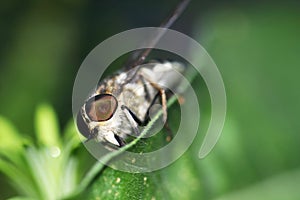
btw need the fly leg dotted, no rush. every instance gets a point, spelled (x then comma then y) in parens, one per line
(162, 94)
(165, 114)
(164, 104)
(118, 143)
(134, 120)
(120, 140)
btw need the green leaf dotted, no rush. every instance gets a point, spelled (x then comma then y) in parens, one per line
(71, 136)
(283, 186)
(69, 179)
(20, 179)
(182, 180)
(12, 144)
(11, 140)
(114, 184)
(46, 125)
(54, 173)
(21, 198)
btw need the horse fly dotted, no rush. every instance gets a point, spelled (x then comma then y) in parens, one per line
(121, 103)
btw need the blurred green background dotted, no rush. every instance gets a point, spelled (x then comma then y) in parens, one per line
(254, 44)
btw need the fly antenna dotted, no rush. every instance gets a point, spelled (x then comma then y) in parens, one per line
(138, 57)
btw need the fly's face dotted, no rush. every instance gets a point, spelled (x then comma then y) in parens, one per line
(121, 104)
(100, 117)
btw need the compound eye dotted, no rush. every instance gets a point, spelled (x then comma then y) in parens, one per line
(101, 107)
